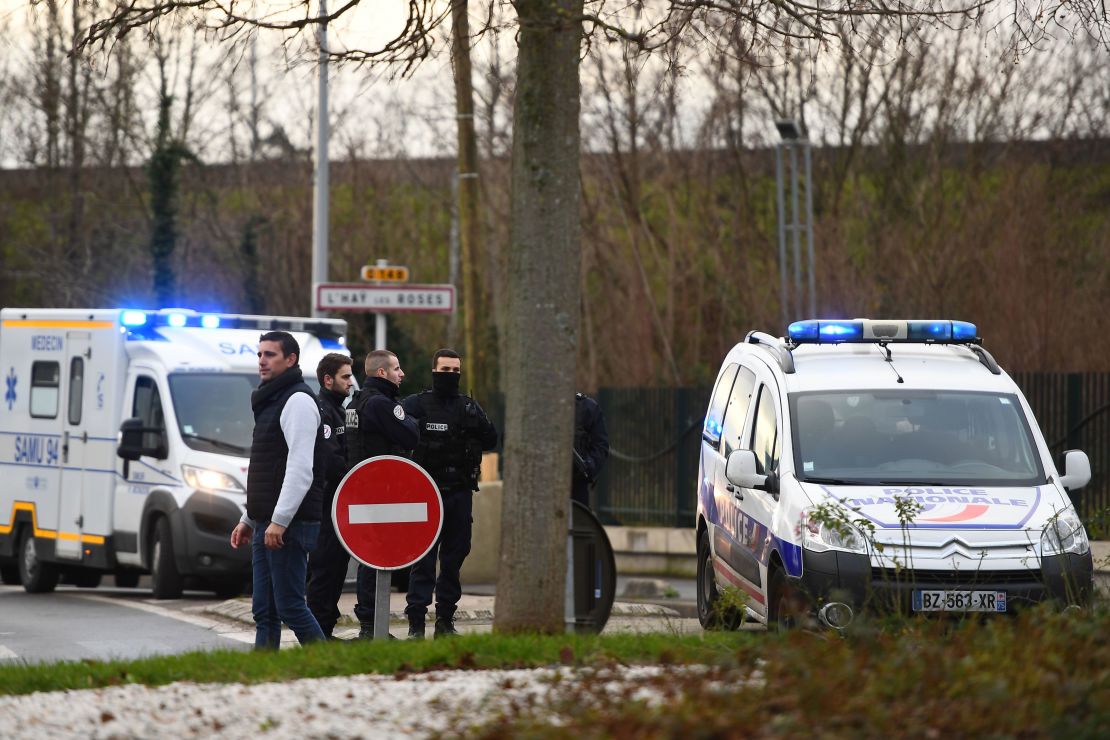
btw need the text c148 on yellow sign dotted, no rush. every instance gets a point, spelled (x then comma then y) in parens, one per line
(387, 274)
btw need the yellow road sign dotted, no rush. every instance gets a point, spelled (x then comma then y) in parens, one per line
(386, 274)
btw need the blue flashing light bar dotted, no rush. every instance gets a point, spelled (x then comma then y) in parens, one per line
(133, 318)
(815, 331)
(142, 324)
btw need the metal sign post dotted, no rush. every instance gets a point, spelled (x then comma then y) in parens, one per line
(387, 514)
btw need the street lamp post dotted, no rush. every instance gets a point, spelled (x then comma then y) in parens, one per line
(792, 137)
(320, 182)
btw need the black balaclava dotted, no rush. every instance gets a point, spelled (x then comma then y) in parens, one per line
(446, 384)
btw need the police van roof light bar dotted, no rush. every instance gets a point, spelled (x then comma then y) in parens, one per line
(821, 331)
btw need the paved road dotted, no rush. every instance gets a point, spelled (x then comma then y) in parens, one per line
(74, 624)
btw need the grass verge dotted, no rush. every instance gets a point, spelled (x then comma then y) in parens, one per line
(1039, 673)
(356, 656)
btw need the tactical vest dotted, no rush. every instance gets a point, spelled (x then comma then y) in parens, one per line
(364, 439)
(270, 453)
(449, 448)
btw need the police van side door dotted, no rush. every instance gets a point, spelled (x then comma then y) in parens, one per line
(765, 440)
(730, 498)
(71, 518)
(710, 448)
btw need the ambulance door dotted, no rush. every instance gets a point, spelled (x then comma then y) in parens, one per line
(71, 519)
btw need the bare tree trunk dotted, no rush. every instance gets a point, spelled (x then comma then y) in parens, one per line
(468, 194)
(542, 318)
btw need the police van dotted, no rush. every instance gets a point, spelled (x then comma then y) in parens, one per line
(889, 464)
(125, 439)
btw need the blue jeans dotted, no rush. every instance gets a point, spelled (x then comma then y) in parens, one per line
(279, 580)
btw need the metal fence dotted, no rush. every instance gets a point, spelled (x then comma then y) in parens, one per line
(655, 433)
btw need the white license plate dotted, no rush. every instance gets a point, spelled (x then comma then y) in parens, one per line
(959, 601)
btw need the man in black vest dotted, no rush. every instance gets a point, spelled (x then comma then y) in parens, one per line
(285, 484)
(327, 565)
(454, 430)
(377, 425)
(591, 447)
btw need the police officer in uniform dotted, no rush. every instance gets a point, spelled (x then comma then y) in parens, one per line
(327, 565)
(591, 446)
(454, 431)
(377, 425)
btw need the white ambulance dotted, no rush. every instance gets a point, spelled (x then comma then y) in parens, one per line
(124, 442)
(886, 464)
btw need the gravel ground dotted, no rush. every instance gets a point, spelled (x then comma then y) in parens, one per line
(367, 706)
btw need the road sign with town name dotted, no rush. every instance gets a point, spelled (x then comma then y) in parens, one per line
(385, 298)
(385, 273)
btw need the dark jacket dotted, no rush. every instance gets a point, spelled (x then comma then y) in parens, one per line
(377, 424)
(591, 439)
(269, 451)
(333, 417)
(454, 431)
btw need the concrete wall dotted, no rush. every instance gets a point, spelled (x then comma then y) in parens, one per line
(638, 550)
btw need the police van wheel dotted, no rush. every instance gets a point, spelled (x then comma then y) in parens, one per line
(166, 582)
(37, 577)
(787, 606)
(9, 573)
(711, 612)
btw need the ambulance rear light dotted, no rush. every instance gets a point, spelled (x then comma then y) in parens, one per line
(882, 331)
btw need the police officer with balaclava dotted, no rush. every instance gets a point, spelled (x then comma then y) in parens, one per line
(377, 425)
(454, 431)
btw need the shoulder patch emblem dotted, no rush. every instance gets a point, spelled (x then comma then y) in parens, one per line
(399, 412)
(327, 432)
(352, 418)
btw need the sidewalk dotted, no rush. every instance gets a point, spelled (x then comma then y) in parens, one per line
(475, 611)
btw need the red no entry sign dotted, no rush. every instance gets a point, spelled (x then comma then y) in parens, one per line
(387, 512)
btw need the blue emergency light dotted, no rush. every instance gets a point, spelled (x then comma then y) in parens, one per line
(133, 318)
(819, 331)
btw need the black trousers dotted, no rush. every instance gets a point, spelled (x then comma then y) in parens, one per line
(580, 489)
(327, 570)
(450, 549)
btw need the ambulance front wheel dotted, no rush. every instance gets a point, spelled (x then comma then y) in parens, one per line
(166, 581)
(37, 577)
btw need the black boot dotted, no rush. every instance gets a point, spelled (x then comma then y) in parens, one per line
(366, 631)
(445, 627)
(416, 629)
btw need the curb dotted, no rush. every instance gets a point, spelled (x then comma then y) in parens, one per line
(240, 611)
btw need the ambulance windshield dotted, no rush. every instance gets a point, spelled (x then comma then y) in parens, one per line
(214, 410)
(913, 437)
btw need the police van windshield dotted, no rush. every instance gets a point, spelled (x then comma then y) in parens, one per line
(214, 410)
(918, 437)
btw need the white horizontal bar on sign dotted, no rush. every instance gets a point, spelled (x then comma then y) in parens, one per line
(387, 513)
